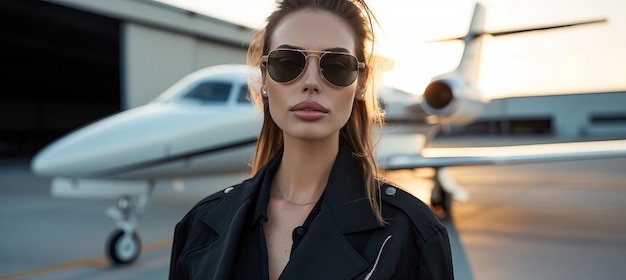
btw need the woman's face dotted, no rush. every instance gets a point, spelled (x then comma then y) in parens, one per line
(310, 107)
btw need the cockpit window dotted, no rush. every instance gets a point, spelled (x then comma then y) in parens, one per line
(210, 92)
(244, 95)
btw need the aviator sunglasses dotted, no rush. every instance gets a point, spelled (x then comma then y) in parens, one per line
(286, 65)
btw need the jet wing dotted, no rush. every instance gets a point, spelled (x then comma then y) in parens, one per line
(461, 156)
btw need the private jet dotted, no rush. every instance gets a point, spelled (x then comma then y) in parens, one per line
(205, 124)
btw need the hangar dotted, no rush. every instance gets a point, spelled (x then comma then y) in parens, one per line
(599, 115)
(70, 62)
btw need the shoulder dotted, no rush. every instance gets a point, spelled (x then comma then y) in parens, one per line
(217, 195)
(406, 205)
(212, 200)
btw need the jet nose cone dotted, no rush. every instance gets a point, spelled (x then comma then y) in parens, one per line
(84, 152)
(120, 141)
(48, 162)
(40, 164)
(59, 158)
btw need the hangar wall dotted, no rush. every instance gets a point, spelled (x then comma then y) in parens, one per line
(154, 59)
(594, 114)
(160, 44)
(572, 115)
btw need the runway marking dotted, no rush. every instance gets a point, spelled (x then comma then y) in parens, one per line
(100, 262)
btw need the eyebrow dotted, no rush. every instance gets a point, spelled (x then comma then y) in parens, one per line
(335, 49)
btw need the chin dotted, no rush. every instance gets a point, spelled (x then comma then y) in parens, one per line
(311, 133)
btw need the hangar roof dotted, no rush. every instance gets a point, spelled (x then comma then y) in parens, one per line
(163, 16)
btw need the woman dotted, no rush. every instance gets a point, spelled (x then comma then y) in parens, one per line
(316, 207)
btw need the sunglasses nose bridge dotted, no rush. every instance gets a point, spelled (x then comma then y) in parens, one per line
(317, 71)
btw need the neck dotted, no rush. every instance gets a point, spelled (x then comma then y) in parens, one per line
(304, 170)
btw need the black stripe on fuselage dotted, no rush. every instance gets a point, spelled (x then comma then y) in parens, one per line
(161, 161)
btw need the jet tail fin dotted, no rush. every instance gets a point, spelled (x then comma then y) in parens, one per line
(470, 60)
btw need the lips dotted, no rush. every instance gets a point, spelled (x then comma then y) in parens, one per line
(309, 106)
(309, 111)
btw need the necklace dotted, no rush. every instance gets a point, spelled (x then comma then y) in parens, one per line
(299, 204)
(282, 196)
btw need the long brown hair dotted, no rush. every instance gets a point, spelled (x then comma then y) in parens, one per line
(366, 113)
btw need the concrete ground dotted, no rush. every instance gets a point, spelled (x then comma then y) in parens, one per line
(564, 220)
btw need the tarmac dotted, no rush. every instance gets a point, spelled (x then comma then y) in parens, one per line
(562, 220)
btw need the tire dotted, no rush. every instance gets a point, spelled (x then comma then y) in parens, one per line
(123, 249)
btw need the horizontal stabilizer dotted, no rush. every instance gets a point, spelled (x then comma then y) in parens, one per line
(501, 33)
(516, 31)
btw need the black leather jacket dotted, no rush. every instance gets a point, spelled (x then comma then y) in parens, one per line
(343, 242)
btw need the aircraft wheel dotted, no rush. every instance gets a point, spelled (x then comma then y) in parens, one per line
(123, 248)
(441, 202)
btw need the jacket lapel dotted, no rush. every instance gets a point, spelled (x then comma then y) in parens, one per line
(324, 252)
(214, 259)
(346, 197)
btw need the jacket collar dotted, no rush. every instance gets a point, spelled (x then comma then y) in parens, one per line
(345, 208)
(344, 194)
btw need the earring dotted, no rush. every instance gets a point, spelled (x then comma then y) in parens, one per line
(264, 92)
(362, 95)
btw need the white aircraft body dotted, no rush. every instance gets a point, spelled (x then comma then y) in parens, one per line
(204, 124)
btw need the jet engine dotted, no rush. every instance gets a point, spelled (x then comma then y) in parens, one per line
(452, 101)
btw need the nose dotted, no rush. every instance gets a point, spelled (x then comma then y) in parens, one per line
(312, 75)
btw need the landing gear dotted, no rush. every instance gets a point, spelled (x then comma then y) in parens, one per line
(445, 189)
(440, 200)
(133, 196)
(124, 245)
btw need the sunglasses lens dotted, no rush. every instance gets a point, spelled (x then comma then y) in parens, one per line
(285, 65)
(339, 69)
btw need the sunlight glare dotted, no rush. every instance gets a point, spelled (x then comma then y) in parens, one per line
(573, 60)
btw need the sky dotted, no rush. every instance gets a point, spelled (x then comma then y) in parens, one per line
(590, 58)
